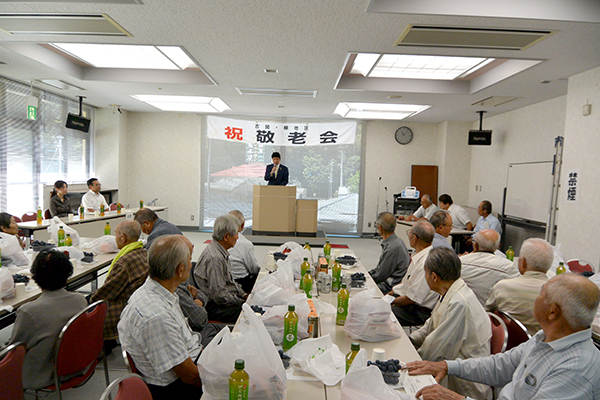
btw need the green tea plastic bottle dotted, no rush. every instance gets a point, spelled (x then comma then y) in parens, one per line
(510, 253)
(336, 276)
(303, 269)
(327, 251)
(354, 348)
(61, 236)
(342, 308)
(118, 208)
(81, 211)
(290, 328)
(68, 240)
(307, 246)
(107, 229)
(102, 210)
(561, 268)
(239, 381)
(39, 216)
(307, 283)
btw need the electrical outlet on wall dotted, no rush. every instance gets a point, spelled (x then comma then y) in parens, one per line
(192, 217)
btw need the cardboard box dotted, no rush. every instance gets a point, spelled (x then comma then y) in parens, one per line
(306, 216)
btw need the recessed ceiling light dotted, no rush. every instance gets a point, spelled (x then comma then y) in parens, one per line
(277, 92)
(378, 110)
(394, 96)
(271, 71)
(416, 66)
(128, 56)
(184, 103)
(61, 24)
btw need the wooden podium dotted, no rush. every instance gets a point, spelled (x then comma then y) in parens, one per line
(274, 210)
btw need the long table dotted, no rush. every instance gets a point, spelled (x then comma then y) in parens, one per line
(89, 226)
(455, 234)
(83, 273)
(400, 348)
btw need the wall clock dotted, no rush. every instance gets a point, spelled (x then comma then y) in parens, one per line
(403, 135)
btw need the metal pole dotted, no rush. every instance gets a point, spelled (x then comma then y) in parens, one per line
(556, 167)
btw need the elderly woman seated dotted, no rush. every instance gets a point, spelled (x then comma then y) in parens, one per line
(39, 322)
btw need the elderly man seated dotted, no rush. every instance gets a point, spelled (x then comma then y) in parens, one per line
(460, 217)
(442, 223)
(516, 296)
(212, 274)
(426, 210)
(482, 269)
(415, 299)
(153, 329)
(459, 326)
(244, 267)
(192, 305)
(560, 362)
(126, 274)
(487, 220)
(40, 321)
(153, 226)
(394, 258)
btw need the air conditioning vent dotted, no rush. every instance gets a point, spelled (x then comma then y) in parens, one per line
(277, 92)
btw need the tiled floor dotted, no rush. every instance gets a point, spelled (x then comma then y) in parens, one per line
(366, 249)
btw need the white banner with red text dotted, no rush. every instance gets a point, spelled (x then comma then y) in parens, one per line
(280, 133)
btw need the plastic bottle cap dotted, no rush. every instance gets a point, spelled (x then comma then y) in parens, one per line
(61, 227)
(305, 259)
(239, 364)
(292, 307)
(355, 346)
(344, 285)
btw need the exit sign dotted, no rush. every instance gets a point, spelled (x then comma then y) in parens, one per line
(31, 112)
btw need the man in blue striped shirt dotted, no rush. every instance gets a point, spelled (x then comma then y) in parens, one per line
(559, 362)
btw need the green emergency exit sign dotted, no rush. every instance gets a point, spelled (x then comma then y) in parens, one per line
(32, 112)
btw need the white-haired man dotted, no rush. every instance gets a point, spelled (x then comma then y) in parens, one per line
(153, 329)
(212, 274)
(459, 326)
(244, 267)
(560, 362)
(426, 210)
(394, 258)
(516, 296)
(482, 269)
(415, 299)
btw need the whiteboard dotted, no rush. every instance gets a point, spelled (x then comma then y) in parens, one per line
(528, 191)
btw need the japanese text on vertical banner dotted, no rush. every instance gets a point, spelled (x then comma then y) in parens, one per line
(281, 134)
(573, 187)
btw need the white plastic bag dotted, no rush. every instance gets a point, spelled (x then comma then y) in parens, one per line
(12, 249)
(273, 318)
(320, 357)
(73, 252)
(364, 382)
(371, 319)
(7, 284)
(276, 289)
(294, 258)
(55, 224)
(102, 245)
(254, 345)
(558, 258)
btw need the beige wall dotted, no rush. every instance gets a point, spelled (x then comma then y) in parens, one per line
(523, 135)
(163, 161)
(578, 224)
(391, 161)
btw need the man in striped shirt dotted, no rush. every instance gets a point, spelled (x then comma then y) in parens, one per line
(559, 362)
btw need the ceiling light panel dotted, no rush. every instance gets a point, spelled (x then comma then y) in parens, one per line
(60, 24)
(184, 103)
(122, 56)
(424, 67)
(378, 110)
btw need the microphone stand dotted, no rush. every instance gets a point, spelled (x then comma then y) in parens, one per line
(387, 203)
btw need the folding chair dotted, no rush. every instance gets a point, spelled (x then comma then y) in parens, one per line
(130, 387)
(11, 372)
(499, 334)
(78, 349)
(579, 266)
(517, 333)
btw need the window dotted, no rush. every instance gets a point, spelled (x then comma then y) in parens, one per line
(330, 174)
(34, 153)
